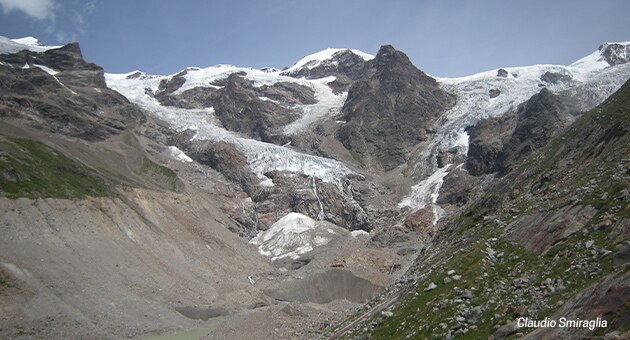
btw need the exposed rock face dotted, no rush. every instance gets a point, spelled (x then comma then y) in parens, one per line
(493, 93)
(283, 93)
(58, 91)
(390, 109)
(499, 142)
(457, 188)
(288, 93)
(604, 300)
(227, 160)
(615, 54)
(540, 230)
(502, 73)
(313, 198)
(555, 77)
(240, 109)
(486, 142)
(538, 120)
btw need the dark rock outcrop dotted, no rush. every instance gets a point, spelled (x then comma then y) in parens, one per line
(540, 230)
(390, 109)
(74, 101)
(240, 109)
(288, 93)
(555, 78)
(486, 142)
(228, 161)
(498, 143)
(615, 54)
(457, 188)
(538, 120)
(297, 193)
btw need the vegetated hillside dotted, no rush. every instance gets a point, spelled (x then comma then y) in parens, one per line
(549, 239)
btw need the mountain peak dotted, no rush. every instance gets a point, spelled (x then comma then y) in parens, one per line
(388, 54)
(8, 46)
(331, 61)
(607, 54)
(615, 53)
(313, 60)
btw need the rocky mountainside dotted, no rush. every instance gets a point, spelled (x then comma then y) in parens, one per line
(390, 109)
(549, 239)
(346, 195)
(62, 94)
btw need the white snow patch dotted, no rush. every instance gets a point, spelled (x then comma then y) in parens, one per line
(178, 154)
(47, 69)
(427, 192)
(359, 233)
(291, 236)
(53, 74)
(266, 182)
(29, 41)
(328, 104)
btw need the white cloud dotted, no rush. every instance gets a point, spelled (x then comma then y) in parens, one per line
(38, 9)
(89, 7)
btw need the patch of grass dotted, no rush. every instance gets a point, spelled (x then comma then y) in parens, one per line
(32, 169)
(357, 157)
(159, 173)
(5, 282)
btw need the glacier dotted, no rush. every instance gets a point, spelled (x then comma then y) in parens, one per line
(261, 157)
(592, 80)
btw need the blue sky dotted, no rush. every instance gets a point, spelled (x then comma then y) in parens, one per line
(443, 38)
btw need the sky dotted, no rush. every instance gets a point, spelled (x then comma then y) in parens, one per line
(445, 38)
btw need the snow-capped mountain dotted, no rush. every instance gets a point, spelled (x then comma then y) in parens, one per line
(327, 56)
(488, 94)
(588, 81)
(313, 92)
